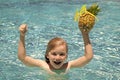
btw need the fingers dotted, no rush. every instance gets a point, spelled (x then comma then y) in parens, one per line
(23, 28)
(85, 27)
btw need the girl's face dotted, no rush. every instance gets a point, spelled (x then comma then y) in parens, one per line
(57, 56)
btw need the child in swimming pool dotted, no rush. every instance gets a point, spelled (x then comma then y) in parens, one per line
(56, 53)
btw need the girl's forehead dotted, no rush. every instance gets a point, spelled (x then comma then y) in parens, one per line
(60, 48)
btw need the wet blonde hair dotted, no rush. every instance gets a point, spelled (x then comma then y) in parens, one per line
(52, 44)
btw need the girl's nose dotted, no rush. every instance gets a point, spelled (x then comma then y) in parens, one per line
(58, 57)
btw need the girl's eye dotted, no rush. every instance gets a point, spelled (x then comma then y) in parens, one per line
(54, 54)
(62, 54)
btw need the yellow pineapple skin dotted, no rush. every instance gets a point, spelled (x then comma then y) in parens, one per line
(86, 21)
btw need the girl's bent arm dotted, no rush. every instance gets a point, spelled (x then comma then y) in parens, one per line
(22, 51)
(88, 52)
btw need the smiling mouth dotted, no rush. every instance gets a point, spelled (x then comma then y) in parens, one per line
(57, 62)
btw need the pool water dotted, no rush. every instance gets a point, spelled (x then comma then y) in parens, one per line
(47, 19)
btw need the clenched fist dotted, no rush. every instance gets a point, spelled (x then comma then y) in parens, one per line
(23, 29)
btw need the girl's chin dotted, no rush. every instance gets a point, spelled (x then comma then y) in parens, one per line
(57, 66)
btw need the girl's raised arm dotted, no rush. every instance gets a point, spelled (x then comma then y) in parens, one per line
(27, 60)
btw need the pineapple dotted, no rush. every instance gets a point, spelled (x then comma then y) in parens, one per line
(86, 17)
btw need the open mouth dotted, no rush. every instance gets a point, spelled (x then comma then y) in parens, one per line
(57, 62)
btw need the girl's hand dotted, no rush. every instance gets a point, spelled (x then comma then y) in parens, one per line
(23, 29)
(84, 28)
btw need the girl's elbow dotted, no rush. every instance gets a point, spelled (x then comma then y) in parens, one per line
(90, 57)
(21, 58)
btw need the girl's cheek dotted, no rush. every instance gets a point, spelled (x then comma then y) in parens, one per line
(52, 57)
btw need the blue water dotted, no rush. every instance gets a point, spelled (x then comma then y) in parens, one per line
(50, 18)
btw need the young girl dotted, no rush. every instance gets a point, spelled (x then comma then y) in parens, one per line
(56, 53)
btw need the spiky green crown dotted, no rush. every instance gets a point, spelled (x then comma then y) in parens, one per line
(94, 9)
